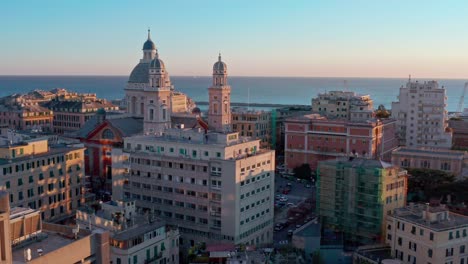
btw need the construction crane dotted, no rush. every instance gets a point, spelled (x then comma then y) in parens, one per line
(462, 99)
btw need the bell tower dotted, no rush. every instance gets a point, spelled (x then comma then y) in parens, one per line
(219, 112)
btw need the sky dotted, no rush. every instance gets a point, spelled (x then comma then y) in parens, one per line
(427, 39)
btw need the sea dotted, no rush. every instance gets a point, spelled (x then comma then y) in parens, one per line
(270, 90)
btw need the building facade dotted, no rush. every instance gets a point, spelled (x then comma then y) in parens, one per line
(150, 94)
(253, 123)
(44, 177)
(341, 104)
(421, 115)
(215, 185)
(459, 129)
(427, 234)
(71, 114)
(26, 239)
(451, 161)
(100, 136)
(354, 196)
(312, 138)
(134, 238)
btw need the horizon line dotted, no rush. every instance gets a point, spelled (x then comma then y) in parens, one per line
(248, 76)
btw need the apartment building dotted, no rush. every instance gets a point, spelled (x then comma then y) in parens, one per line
(451, 161)
(253, 123)
(428, 233)
(354, 195)
(421, 114)
(312, 138)
(134, 238)
(214, 186)
(70, 115)
(42, 176)
(343, 104)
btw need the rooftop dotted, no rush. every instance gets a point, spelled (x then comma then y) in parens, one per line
(431, 217)
(196, 136)
(376, 253)
(430, 151)
(138, 230)
(47, 242)
(359, 162)
(337, 119)
(58, 149)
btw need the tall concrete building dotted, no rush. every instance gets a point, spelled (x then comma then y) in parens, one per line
(215, 185)
(427, 234)
(354, 196)
(341, 104)
(421, 115)
(42, 176)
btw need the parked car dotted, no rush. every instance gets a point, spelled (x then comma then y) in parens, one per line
(298, 225)
(290, 232)
(307, 185)
(284, 199)
(290, 205)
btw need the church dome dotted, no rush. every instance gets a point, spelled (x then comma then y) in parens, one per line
(219, 65)
(157, 63)
(139, 73)
(149, 45)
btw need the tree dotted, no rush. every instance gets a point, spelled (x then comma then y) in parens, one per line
(427, 180)
(382, 112)
(303, 171)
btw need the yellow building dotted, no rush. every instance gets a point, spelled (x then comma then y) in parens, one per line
(428, 233)
(43, 177)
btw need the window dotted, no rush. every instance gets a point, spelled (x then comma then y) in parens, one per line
(31, 179)
(462, 249)
(20, 182)
(107, 134)
(431, 236)
(429, 253)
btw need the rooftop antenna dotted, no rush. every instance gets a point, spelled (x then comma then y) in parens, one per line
(409, 78)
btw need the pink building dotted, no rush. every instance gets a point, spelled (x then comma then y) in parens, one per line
(312, 138)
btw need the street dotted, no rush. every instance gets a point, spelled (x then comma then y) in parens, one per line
(298, 194)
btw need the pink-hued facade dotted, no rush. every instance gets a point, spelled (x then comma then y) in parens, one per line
(312, 138)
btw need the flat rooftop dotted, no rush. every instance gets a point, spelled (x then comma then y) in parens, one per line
(414, 214)
(429, 151)
(376, 252)
(138, 230)
(48, 242)
(52, 151)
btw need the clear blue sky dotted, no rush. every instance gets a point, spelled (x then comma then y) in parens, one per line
(256, 38)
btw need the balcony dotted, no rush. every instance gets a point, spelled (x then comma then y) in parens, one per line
(215, 227)
(215, 173)
(215, 214)
(154, 259)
